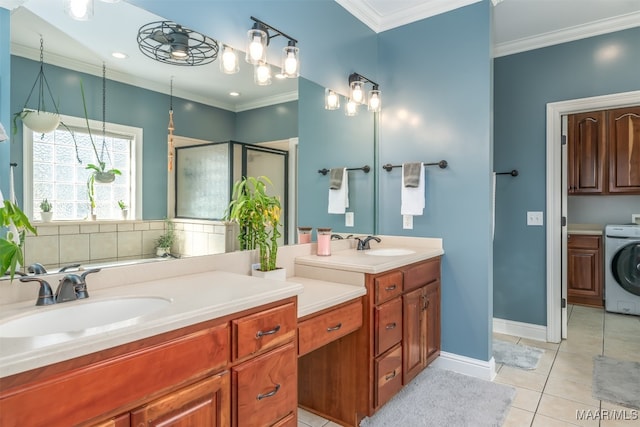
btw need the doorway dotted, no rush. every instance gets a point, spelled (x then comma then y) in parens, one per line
(557, 194)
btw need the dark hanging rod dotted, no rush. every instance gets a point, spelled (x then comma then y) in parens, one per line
(442, 164)
(13, 165)
(512, 173)
(364, 168)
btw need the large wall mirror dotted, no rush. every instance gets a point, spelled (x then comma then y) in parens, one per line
(278, 115)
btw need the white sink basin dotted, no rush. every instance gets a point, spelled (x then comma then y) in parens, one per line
(86, 317)
(389, 252)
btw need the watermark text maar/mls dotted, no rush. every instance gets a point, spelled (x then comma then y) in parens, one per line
(608, 414)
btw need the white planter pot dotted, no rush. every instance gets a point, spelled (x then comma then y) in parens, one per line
(162, 251)
(40, 121)
(46, 216)
(125, 213)
(277, 274)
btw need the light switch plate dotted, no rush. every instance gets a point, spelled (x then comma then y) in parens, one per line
(407, 222)
(635, 218)
(535, 218)
(348, 219)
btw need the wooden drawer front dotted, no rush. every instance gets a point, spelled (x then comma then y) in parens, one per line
(421, 274)
(583, 241)
(388, 375)
(266, 388)
(112, 383)
(320, 330)
(388, 286)
(264, 330)
(388, 325)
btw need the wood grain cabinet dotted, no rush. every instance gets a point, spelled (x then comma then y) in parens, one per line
(604, 152)
(584, 270)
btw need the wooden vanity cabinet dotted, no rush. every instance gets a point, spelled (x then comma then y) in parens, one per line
(584, 270)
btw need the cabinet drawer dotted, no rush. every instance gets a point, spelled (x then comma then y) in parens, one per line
(583, 241)
(320, 330)
(265, 388)
(264, 330)
(388, 370)
(421, 274)
(388, 325)
(388, 286)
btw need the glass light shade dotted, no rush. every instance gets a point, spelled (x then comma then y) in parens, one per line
(229, 61)
(375, 101)
(180, 45)
(262, 74)
(80, 10)
(357, 91)
(351, 108)
(291, 62)
(331, 100)
(256, 46)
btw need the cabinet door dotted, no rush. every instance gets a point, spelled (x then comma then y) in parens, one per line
(587, 152)
(432, 314)
(205, 404)
(624, 150)
(413, 335)
(388, 371)
(584, 281)
(388, 325)
(265, 389)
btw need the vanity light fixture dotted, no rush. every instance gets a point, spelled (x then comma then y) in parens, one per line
(351, 108)
(258, 39)
(80, 10)
(171, 43)
(262, 74)
(331, 99)
(229, 60)
(356, 86)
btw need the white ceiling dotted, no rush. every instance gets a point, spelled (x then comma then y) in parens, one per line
(518, 25)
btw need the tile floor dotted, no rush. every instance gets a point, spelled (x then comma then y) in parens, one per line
(550, 395)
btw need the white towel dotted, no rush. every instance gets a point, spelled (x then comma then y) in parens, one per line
(12, 187)
(412, 199)
(339, 199)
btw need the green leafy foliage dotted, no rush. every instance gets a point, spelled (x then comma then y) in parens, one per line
(11, 252)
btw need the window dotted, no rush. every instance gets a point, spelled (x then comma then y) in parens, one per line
(56, 174)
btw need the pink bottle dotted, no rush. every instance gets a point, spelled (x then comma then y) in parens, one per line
(324, 241)
(304, 234)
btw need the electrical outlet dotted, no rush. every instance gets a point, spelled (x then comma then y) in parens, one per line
(348, 219)
(535, 218)
(407, 222)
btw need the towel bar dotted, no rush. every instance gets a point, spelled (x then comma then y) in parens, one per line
(364, 168)
(442, 164)
(512, 173)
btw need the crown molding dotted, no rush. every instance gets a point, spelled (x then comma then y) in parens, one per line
(11, 4)
(270, 100)
(372, 19)
(577, 32)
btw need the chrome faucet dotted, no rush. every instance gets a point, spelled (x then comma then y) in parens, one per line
(363, 244)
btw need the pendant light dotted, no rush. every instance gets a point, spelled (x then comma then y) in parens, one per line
(375, 100)
(291, 60)
(351, 108)
(257, 41)
(331, 100)
(229, 60)
(262, 74)
(258, 38)
(171, 128)
(80, 10)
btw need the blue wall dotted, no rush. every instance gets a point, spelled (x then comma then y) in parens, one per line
(436, 78)
(330, 139)
(133, 106)
(524, 83)
(5, 86)
(272, 123)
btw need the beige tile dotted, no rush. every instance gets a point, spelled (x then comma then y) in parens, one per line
(129, 243)
(69, 229)
(141, 226)
(546, 362)
(565, 410)
(158, 225)
(125, 226)
(518, 418)
(47, 230)
(74, 248)
(623, 348)
(547, 346)
(103, 245)
(618, 416)
(526, 399)
(149, 241)
(89, 228)
(310, 419)
(504, 337)
(216, 243)
(108, 228)
(332, 424)
(576, 367)
(543, 421)
(42, 249)
(572, 390)
(521, 378)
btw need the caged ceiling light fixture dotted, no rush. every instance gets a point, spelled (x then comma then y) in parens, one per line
(357, 95)
(258, 38)
(171, 43)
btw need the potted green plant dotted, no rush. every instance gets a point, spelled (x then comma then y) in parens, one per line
(166, 240)
(11, 246)
(123, 209)
(258, 217)
(45, 210)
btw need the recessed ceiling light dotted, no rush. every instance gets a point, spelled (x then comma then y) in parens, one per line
(234, 93)
(280, 76)
(119, 55)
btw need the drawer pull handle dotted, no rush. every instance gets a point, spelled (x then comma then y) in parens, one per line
(390, 288)
(391, 325)
(260, 334)
(334, 328)
(271, 393)
(390, 376)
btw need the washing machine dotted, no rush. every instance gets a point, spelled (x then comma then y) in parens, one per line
(622, 268)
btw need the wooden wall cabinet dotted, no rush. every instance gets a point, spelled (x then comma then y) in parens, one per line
(604, 152)
(584, 270)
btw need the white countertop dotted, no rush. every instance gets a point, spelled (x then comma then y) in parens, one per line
(195, 298)
(319, 295)
(586, 229)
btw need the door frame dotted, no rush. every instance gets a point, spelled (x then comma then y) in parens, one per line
(554, 191)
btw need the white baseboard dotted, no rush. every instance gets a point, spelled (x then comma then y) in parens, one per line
(520, 329)
(466, 365)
